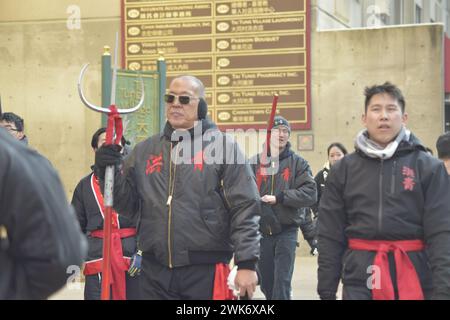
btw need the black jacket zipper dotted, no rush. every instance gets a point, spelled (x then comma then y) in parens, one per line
(380, 204)
(393, 177)
(169, 201)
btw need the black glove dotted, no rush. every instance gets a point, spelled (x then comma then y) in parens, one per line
(107, 156)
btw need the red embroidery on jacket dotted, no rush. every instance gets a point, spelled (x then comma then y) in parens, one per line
(260, 172)
(408, 178)
(197, 160)
(154, 163)
(286, 174)
(408, 172)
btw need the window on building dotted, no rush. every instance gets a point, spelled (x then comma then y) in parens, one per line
(418, 14)
(397, 11)
(439, 10)
(447, 27)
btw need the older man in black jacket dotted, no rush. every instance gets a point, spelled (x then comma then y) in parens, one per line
(384, 222)
(197, 207)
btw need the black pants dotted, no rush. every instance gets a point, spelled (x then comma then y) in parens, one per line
(158, 282)
(363, 293)
(93, 287)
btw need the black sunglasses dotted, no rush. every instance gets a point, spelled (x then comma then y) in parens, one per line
(170, 98)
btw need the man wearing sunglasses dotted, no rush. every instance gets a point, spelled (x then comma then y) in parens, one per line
(195, 215)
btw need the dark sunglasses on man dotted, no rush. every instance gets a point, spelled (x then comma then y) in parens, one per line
(170, 98)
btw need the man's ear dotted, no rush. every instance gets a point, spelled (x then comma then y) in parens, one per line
(363, 119)
(202, 109)
(405, 118)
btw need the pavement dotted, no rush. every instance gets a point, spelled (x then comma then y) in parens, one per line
(304, 283)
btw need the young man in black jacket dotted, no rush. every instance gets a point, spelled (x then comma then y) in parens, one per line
(384, 222)
(285, 195)
(40, 240)
(197, 208)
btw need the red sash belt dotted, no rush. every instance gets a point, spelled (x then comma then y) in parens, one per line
(119, 264)
(407, 280)
(221, 290)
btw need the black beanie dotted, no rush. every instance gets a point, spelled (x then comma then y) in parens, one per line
(96, 136)
(280, 121)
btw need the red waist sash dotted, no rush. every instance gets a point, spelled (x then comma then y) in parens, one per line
(119, 264)
(407, 280)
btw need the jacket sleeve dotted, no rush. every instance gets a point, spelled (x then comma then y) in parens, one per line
(44, 236)
(317, 179)
(242, 198)
(126, 199)
(307, 225)
(436, 222)
(78, 205)
(304, 193)
(254, 164)
(332, 241)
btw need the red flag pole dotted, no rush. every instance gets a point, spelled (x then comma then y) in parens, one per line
(106, 268)
(266, 149)
(114, 124)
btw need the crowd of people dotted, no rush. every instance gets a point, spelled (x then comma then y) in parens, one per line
(378, 218)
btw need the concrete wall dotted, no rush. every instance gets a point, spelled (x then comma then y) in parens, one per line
(40, 60)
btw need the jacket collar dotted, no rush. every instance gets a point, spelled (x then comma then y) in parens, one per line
(287, 152)
(204, 124)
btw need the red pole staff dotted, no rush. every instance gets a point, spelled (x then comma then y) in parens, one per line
(266, 150)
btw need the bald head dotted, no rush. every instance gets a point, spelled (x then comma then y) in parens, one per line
(197, 85)
(183, 115)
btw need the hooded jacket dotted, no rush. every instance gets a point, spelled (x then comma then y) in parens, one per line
(320, 178)
(405, 197)
(293, 186)
(199, 211)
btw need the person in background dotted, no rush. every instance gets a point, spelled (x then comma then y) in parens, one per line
(14, 124)
(335, 152)
(88, 203)
(443, 149)
(286, 196)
